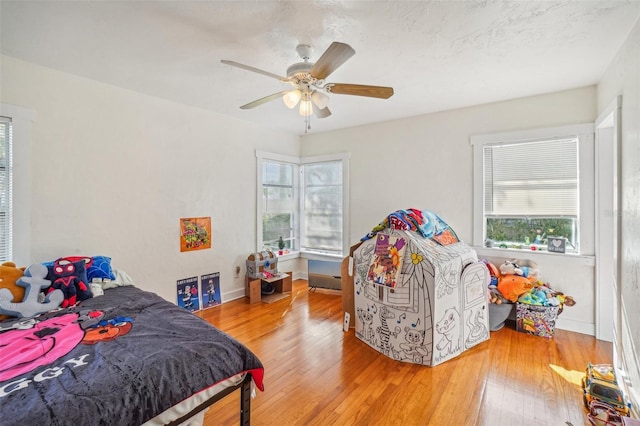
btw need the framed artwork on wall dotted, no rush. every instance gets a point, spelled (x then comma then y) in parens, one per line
(195, 233)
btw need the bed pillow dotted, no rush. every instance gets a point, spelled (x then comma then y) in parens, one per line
(98, 267)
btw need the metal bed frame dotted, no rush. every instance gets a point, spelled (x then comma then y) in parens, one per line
(245, 402)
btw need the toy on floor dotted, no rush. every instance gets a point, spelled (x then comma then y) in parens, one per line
(543, 295)
(600, 385)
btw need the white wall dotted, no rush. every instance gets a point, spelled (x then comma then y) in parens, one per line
(426, 162)
(113, 171)
(623, 78)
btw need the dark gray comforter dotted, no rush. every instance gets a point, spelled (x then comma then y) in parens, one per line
(121, 358)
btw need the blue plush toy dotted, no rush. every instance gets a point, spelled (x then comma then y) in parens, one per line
(34, 282)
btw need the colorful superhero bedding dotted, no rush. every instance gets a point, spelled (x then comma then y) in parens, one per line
(125, 357)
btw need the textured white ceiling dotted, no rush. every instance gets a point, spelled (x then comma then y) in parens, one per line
(437, 55)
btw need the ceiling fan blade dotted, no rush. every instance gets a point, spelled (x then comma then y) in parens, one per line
(336, 55)
(264, 100)
(259, 71)
(360, 90)
(321, 113)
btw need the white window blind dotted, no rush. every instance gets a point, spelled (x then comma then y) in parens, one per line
(532, 179)
(6, 187)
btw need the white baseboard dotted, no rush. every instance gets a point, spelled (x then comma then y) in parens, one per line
(233, 295)
(576, 326)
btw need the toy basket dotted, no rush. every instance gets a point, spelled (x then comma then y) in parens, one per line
(498, 314)
(536, 320)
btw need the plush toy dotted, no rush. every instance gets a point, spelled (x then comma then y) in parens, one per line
(513, 286)
(33, 282)
(535, 296)
(529, 268)
(496, 297)
(9, 275)
(70, 277)
(524, 268)
(494, 273)
(510, 267)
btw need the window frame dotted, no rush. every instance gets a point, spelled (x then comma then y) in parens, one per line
(263, 157)
(586, 171)
(328, 158)
(299, 163)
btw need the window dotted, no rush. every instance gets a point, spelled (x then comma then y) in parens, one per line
(15, 183)
(322, 212)
(279, 204)
(303, 202)
(6, 190)
(528, 187)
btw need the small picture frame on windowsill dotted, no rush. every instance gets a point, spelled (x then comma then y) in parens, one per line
(556, 244)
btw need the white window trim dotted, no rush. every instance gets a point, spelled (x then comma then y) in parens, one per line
(586, 160)
(298, 161)
(268, 156)
(344, 157)
(21, 119)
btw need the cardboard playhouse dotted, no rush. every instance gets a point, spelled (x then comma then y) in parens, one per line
(417, 299)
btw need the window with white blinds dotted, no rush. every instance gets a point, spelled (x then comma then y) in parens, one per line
(531, 179)
(532, 185)
(6, 196)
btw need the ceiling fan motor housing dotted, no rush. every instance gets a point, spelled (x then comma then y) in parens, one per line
(299, 70)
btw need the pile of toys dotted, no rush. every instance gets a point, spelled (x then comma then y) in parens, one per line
(537, 303)
(603, 398)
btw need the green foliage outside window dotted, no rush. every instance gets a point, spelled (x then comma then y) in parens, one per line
(274, 227)
(528, 231)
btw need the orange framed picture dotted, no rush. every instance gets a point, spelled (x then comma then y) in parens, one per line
(195, 233)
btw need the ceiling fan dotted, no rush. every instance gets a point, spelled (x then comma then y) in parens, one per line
(308, 80)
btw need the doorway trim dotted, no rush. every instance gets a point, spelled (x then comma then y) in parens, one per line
(607, 232)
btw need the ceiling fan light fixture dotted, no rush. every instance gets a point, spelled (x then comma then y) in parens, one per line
(320, 99)
(306, 109)
(292, 98)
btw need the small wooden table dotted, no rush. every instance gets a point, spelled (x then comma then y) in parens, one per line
(282, 283)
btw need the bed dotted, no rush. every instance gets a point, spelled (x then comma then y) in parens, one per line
(127, 356)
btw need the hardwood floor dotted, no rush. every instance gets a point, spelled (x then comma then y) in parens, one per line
(315, 374)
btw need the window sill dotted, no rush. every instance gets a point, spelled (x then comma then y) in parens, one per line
(585, 260)
(321, 256)
(308, 255)
(288, 256)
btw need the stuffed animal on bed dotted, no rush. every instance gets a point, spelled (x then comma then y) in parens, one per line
(70, 277)
(33, 283)
(9, 275)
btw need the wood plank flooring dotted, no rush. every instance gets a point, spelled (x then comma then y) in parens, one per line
(315, 374)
